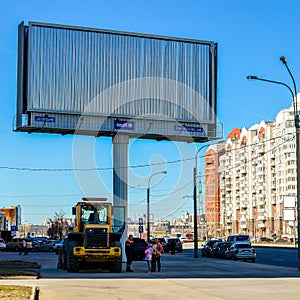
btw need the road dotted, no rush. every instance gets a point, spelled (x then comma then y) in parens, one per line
(274, 276)
(280, 256)
(270, 263)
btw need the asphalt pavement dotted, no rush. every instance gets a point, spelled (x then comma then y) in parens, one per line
(182, 276)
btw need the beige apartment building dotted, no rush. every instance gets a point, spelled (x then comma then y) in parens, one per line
(256, 171)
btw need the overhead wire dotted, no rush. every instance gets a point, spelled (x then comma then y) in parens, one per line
(112, 168)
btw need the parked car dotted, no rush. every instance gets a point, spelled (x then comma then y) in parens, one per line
(264, 239)
(38, 240)
(241, 251)
(47, 245)
(207, 247)
(178, 245)
(2, 245)
(280, 240)
(15, 244)
(139, 248)
(219, 249)
(239, 238)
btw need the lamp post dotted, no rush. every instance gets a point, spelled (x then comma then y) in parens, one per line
(148, 203)
(297, 127)
(195, 198)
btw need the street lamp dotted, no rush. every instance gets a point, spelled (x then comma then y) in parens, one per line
(297, 127)
(195, 198)
(148, 203)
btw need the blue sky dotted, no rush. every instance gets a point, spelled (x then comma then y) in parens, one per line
(251, 36)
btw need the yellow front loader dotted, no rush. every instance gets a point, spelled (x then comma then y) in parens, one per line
(95, 239)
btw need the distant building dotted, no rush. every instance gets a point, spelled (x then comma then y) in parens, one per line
(257, 170)
(212, 186)
(10, 218)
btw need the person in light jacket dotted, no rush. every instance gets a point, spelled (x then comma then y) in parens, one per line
(148, 257)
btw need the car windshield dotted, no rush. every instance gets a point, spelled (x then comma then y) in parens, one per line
(239, 246)
(242, 237)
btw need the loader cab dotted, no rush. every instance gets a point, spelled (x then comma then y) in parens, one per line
(97, 211)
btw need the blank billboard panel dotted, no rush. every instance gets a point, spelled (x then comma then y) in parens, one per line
(107, 78)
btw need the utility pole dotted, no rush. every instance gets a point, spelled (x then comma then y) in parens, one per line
(297, 128)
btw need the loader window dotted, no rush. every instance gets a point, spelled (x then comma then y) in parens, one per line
(94, 214)
(87, 213)
(102, 215)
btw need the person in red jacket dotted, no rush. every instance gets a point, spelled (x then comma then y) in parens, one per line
(157, 251)
(129, 251)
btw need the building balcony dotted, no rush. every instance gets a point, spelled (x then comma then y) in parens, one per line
(243, 169)
(273, 185)
(261, 225)
(228, 179)
(243, 204)
(273, 199)
(260, 172)
(260, 149)
(261, 195)
(228, 188)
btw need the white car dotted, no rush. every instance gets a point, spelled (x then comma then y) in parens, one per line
(2, 245)
(241, 251)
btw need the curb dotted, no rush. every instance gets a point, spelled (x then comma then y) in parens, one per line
(35, 293)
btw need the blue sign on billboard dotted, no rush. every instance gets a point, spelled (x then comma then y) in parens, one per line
(14, 228)
(141, 229)
(44, 119)
(126, 125)
(188, 128)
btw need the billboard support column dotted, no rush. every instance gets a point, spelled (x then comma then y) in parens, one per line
(120, 179)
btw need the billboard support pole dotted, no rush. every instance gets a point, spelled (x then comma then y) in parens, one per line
(120, 180)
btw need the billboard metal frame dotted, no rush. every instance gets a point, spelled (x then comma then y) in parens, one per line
(43, 107)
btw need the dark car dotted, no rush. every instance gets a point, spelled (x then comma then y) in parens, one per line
(140, 246)
(207, 247)
(219, 248)
(178, 245)
(47, 245)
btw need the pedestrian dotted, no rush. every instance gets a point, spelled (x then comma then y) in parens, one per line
(173, 246)
(23, 247)
(148, 257)
(129, 251)
(157, 251)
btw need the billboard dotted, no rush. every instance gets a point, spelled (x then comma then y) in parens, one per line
(76, 80)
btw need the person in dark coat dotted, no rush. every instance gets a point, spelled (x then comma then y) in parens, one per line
(129, 251)
(173, 247)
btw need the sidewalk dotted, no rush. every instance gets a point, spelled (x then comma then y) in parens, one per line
(146, 289)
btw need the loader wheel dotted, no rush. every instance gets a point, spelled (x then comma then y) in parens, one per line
(72, 261)
(116, 266)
